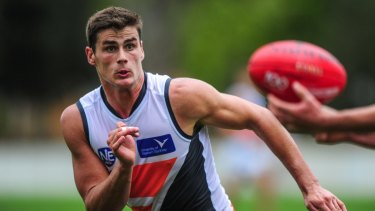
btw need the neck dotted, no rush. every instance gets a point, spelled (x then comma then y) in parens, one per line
(122, 100)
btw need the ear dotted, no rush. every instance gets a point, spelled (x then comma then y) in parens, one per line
(143, 52)
(90, 56)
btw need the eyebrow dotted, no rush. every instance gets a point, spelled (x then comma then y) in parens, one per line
(112, 42)
(109, 42)
(131, 39)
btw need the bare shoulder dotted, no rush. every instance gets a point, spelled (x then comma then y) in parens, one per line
(72, 126)
(191, 101)
(194, 101)
(70, 117)
(187, 89)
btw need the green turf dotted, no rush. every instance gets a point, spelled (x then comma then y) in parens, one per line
(75, 204)
(296, 204)
(40, 204)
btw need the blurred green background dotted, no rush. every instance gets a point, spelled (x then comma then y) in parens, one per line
(43, 65)
(43, 69)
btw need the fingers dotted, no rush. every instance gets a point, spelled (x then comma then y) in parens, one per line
(321, 137)
(133, 131)
(115, 145)
(326, 203)
(312, 208)
(294, 128)
(121, 134)
(126, 141)
(302, 92)
(334, 205)
(340, 205)
(323, 200)
(321, 207)
(120, 124)
(276, 106)
(124, 130)
(275, 103)
(331, 137)
(282, 110)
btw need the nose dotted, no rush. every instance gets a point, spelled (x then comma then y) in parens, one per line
(122, 56)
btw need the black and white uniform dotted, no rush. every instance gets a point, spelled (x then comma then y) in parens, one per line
(173, 170)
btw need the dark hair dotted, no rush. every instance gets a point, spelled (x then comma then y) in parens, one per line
(111, 17)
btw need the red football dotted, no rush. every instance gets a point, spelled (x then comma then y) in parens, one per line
(275, 66)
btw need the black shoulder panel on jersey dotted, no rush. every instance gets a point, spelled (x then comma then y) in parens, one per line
(189, 191)
(84, 120)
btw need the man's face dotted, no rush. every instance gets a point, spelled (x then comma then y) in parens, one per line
(118, 57)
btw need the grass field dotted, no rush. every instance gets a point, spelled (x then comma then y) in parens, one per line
(343, 169)
(75, 204)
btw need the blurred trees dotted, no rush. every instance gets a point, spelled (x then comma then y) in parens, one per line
(42, 50)
(43, 67)
(41, 59)
(218, 38)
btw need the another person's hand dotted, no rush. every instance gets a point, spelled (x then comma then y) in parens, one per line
(122, 143)
(332, 137)
(307, 115)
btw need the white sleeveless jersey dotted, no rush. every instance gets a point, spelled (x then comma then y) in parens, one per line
(173, 170)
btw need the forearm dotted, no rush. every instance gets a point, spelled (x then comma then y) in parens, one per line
(284, 147)
(112, 193)
(356, 119)
(365, 140)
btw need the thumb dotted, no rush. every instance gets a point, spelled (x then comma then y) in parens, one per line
(120, 124)
(331, 137)
(302, 92)
(321, 137)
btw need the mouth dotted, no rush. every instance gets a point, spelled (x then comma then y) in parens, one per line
(123, 73)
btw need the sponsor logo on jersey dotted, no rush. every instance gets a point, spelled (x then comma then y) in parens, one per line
(107, 156)
(154, 146)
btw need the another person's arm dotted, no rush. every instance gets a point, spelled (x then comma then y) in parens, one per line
(99, 189)
(310, 115)
(361, 139)
(194, 102)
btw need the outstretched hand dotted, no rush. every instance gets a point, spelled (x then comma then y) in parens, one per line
(122, 143)
(307, 115)
(320, 199)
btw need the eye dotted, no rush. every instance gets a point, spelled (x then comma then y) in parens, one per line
(110, 49)
(129, 46)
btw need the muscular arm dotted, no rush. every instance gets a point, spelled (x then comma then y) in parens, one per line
(206, 105)
(99, 189)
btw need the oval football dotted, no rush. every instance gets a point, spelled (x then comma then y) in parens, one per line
(275, 66)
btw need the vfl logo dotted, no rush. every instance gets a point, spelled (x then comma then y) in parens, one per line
(154, 146)
(107, 156)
